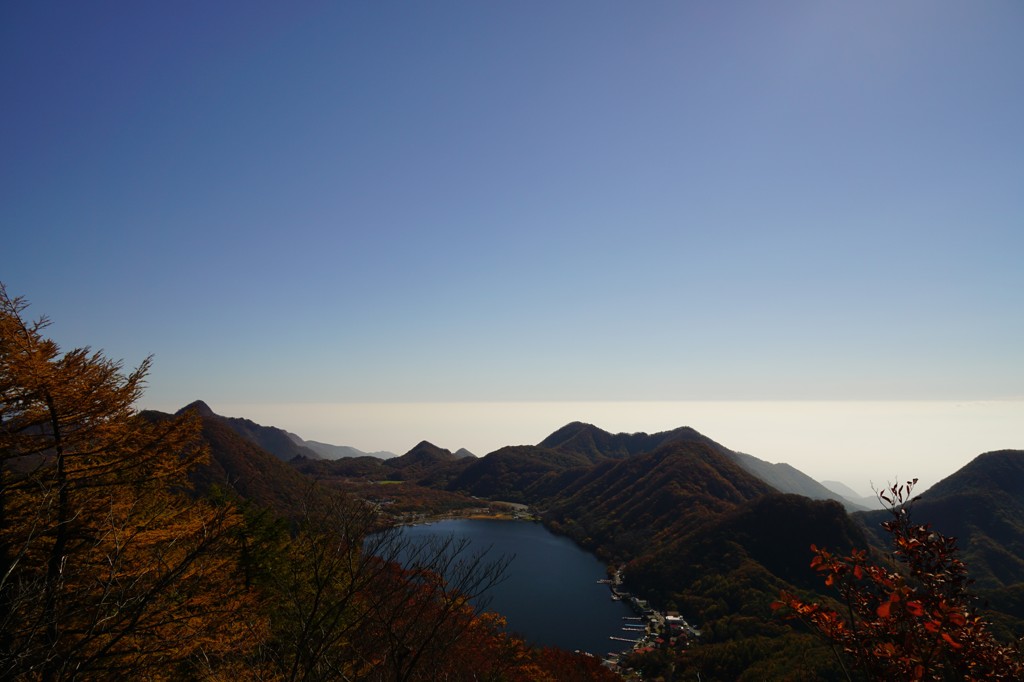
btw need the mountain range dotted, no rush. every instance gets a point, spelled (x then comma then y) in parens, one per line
(700, 528)
(282, 444)
(848, 493)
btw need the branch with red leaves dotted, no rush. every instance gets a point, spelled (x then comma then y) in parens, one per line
(911, 620)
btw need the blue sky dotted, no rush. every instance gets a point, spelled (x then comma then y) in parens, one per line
(525, 201)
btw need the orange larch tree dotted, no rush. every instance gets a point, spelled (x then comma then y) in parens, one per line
(107, 564)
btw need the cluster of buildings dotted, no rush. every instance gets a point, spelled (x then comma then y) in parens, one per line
(650, 630)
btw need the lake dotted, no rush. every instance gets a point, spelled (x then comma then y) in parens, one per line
(551, 596)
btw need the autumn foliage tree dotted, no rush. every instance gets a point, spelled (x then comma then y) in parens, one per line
(107, 564)
(912, 619)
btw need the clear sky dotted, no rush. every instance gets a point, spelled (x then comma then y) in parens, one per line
(521, 202)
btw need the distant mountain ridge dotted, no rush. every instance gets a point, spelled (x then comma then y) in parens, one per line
(277, 442)
(328, 451)
(840, 488)
(597, 444)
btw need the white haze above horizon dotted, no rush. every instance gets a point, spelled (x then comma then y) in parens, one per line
(859, 443)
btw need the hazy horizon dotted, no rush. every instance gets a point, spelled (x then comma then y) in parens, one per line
(858, 443)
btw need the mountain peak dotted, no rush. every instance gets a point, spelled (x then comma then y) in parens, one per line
(198, 406)
(1000, 470)
(570, 431)
(427, 449)
(425, 453)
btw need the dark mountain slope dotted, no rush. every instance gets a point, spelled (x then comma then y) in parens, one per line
(1000, 473)
(513, 473)
(773, 532)
(416, 483)
(619, 508)
(777, 531)
(724, 575)
(598, 445)
(699, 533)
(425, 463)
(237, 464)
(277, 442)
(982, 505)
(365, 467)
(424, 454)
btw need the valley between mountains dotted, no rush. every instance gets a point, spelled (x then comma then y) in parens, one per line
(695, 527)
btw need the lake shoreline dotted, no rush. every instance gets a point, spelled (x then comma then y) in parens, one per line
(557, 592)
(506, 511)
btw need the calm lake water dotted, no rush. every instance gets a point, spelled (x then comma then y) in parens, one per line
(551, 596)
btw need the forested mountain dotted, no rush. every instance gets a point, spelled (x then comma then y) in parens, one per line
(625, 507)
(696, 531)
(424, 455)
(597, 445)
(515, 473)
(277, 442)
(424, 462)
(774, 531)
(982, 505)
(241, 466)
